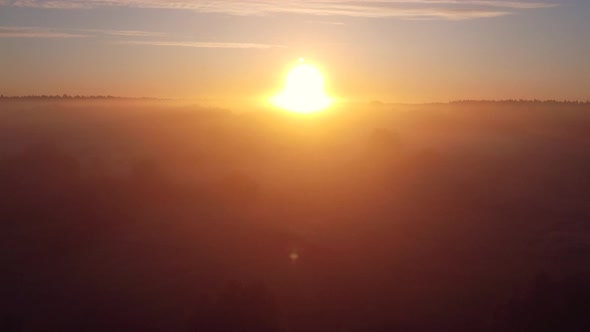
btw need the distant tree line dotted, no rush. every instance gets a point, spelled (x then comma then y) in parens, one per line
(71, 97)
(455, 102)
(521, 101)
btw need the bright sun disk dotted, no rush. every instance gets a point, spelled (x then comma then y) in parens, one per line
(303, 91)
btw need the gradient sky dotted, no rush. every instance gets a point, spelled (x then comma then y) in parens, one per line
(389, 50)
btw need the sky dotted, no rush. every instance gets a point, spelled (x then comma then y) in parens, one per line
(407, 51)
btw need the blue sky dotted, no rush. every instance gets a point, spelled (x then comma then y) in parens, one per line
(392, 50)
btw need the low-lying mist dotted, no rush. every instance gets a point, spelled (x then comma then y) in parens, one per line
(155, 216)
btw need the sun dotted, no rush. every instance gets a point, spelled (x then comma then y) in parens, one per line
(303, 91)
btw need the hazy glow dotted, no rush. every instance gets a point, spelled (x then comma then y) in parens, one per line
(303, 91)
(294, 256)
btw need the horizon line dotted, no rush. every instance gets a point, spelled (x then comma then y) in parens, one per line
(375, 102)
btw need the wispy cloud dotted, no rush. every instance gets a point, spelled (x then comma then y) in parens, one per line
(425, 9)
(198, 44)
(327, 22)
(126, 33)
(34, 32)
(44, 32)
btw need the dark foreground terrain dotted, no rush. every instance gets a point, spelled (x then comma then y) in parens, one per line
(143, 216)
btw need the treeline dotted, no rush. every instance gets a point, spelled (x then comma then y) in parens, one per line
(521, 101)
(455, 102)
(72, 97)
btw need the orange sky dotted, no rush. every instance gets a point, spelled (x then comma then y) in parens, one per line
(393, 51)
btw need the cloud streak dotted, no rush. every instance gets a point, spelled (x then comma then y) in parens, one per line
(147, 36)
(218, 45)
(420, 9)
(125, 33)
(34, 32)
(43, 32)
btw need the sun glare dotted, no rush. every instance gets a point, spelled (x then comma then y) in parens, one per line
(303, 91)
